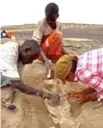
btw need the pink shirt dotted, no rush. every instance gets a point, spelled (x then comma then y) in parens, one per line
(90, 70)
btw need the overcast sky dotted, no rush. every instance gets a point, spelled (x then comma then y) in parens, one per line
(15, 12)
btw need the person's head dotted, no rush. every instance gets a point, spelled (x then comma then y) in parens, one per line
(51, 14)
(29, 51)
(65, 68)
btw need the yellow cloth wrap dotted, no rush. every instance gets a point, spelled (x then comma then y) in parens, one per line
(63, 67)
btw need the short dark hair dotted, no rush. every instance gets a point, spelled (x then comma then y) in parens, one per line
(74, 64)
(51, 8)
(31, 45)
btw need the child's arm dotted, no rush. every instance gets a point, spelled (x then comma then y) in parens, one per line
(37, 36)
(47, 62)
(38, 33)
(29, 90)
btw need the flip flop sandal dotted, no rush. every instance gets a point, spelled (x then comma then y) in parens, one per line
(8, 105)
(11, 107)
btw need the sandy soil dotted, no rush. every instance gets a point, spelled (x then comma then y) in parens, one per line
(34, 112)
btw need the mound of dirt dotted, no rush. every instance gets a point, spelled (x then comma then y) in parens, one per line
(31, 111)
(34, 112)
(70, 114)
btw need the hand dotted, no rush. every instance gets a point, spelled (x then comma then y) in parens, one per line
(48, 68)
(47, 62)
(54, 97)
(71, 94)
(81, 98)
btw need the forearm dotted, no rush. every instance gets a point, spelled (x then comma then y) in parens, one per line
(26, 89)
(96, 86)
(88, 91)
(29, 90)
(43, 56)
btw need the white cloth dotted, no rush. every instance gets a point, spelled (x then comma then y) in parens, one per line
(44, 29)
(8, 61)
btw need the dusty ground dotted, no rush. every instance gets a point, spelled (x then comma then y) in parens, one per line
(79, 38)
(33, 112)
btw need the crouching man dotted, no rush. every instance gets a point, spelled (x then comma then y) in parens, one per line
(10, 54)
(87, 68)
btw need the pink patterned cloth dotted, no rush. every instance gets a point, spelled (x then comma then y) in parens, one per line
(90, 70)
